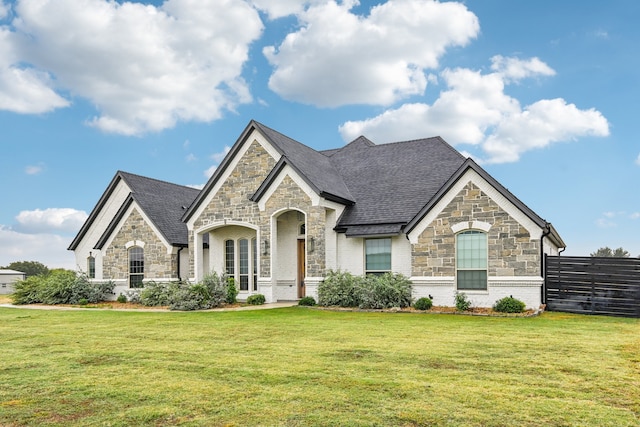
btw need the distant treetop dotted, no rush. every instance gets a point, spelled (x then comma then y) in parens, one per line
(608, 252)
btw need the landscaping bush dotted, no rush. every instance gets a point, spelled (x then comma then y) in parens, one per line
(341, 289)
(462, 302)
(509, 305)
(187, 297)
(132, 295)
(423, 303)
(28, 291)
(257, 299)
(61, 287)
(218, 288)
(155, 294)
(83, 301)
(122, 299)
(307, 301)
(385, 291)
(232, 291)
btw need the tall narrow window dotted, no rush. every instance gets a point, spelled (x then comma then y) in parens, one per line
(254, 261)
(243, 250)
(471, 260)
(229, 258)
(136, 267)
(377, 255)
(91, 267)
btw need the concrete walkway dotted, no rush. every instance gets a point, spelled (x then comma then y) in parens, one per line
(268, 306)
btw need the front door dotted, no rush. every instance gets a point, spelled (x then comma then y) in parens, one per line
(301, 270)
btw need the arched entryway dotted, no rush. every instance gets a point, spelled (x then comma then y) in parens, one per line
(289, 255)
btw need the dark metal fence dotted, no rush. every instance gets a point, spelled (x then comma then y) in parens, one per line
(593, 285)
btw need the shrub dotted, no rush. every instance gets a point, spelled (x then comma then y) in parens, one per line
(257, 299)
(385, 291)
(58, 288)
(83, 301)
(340, 288)
(307, 301)
(462, 301)
(187, 297)
(218, 289)
(509, 305)
(155, 294)
(28, 291)
(232, 291)
(133, 295)
(423, 303)
(121, 298)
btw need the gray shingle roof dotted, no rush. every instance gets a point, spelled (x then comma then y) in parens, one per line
(392, 182)
(164, 203)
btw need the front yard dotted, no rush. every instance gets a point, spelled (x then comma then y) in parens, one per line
(297, 366)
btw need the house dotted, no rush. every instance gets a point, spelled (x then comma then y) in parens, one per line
(8, 278)
(277, 215)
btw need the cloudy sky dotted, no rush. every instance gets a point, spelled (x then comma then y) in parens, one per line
(544, 95)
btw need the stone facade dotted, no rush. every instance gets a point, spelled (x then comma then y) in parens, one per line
(231, 202)
(511, 251)
(158, 264)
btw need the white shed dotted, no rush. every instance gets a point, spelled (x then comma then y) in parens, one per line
(8, 278)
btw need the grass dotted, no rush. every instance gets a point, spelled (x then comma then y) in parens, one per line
(300, 367)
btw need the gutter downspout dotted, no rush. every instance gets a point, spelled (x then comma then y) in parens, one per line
(178, 255)
(543, 290)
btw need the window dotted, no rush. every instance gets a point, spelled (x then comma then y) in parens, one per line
(243, 245)
(91, 267)
(471, 260)
(240, 262)
(136, 267)
(229, 257)
(377, 255)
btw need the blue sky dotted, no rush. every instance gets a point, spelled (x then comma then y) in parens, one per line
(543, 94)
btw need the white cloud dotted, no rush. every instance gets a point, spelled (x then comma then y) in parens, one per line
(4, 10)
(514, 69)
(217, 157)
(337, 57)
(638, 160)
(279, 8)
(474, 109)
(605, 223)
(49, 249)
(635, 215)
(53, 219)
(143, 67)
(34, 169)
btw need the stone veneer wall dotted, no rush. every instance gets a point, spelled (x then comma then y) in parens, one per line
(157, 263)
(289, 194)
(512, 252)
(232, 202)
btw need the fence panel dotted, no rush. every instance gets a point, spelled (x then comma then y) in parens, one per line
(593, 285)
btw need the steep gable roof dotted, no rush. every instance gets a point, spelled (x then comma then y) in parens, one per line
(314, 167)
(162, 202)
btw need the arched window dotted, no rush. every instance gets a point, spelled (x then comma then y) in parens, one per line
(91, 267)
(471, 260)
(229, 258)
(136, 267)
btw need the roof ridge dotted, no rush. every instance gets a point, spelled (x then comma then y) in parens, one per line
(124, 173)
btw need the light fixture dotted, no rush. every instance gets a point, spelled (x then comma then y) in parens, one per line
(265, 247)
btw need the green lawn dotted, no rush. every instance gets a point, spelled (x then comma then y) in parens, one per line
(300, 367)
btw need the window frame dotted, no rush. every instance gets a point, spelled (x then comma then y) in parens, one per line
(478, 260)
(91, 267)
(243, 270)
(377, 271)
(136, 272)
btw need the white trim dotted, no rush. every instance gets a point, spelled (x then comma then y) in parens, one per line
(472, 176)
(520, 281)
(256, 136)
(132, 243)
(291, 173)
(433, 281)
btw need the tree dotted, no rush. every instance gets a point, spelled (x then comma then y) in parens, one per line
(608, 252)
(30, 268)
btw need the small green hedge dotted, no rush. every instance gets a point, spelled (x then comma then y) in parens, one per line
(307, 301)
(61, 287)
(257, 299)
(509, 305)
(423, 303)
